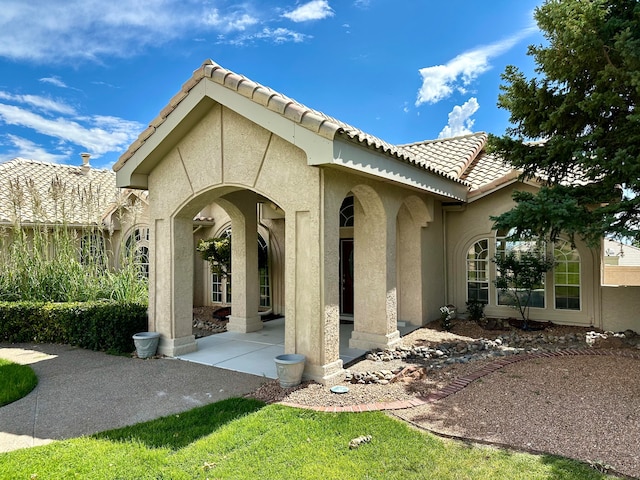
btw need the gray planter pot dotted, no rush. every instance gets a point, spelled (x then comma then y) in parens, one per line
(290, 367)
(146, 343)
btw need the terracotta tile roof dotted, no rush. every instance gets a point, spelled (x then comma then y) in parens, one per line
(449, 155)
(487, 171)
(50, 193)
(313, 120)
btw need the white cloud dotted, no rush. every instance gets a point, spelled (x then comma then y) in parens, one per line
(40, 103)
(440, 81)
(460, 121)
(55, 81)
(62, 31)
(97, 134)
(235, 21)
(313, 10)
(27, 149)
(275, 35)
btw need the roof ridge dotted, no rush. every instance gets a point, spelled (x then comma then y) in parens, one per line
(22, 160)
(447, 139)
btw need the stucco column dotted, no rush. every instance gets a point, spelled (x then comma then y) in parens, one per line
(245, 283)
(375, 295)
(410, 299)
(171, 282)
(310, 329)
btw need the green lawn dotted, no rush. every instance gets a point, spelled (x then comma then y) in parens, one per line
(16, 381)
(244, 439)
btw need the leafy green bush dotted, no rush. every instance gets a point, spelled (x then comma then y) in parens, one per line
(519, 274)
(102, 326)
(475, 309)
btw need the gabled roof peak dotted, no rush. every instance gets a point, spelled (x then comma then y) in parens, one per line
(308, 118)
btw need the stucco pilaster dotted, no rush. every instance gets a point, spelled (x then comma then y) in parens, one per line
(306, 321)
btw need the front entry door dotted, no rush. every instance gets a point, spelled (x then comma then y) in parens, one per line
(346, 276)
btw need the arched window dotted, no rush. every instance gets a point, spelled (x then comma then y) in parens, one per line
(566, 276)
(478, 272)
(346, 212)
(137, 250)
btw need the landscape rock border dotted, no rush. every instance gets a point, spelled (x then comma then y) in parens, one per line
(447, 353)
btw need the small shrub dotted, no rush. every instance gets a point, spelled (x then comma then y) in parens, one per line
(217, 251)
(519, 273)
(446, 315)
(475, 309)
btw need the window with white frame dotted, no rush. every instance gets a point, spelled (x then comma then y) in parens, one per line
(216, 288)
(506, 244)
(221, 286)
(566, 276)
(478, 272)
(564, 280)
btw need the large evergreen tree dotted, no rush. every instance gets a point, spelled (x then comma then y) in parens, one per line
(576, 124)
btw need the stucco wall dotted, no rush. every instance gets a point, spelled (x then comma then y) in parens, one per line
(621, 309)
(625, 275)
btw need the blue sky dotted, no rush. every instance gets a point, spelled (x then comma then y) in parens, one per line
(88, 76)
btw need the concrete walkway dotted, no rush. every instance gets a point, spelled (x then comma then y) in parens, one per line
(81, 392)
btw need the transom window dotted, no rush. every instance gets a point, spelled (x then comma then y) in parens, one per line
(346, 212)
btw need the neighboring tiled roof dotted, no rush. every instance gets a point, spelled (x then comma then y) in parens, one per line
(51, 193)
(313, 120)
(486, 171)
(449, 155)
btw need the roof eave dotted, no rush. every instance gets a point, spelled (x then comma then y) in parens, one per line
(498, 184)
(356, 157)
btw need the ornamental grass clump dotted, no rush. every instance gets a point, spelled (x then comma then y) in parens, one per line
(64, 259)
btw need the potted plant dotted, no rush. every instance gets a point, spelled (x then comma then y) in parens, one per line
(146, 343)
(290, 367)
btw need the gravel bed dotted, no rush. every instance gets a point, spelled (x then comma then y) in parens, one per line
(587, 408)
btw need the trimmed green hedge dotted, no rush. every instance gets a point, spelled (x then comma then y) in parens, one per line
(101, 326)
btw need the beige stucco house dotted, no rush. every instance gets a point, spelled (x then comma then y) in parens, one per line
(355, 228)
